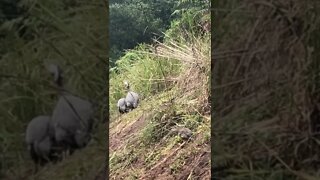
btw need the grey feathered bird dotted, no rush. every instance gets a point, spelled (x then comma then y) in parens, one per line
(72, 117)
(132, 98)
(183, 132)
(40, 141)
(122, 107)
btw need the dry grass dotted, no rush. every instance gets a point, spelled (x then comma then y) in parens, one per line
(261, 88)
(195, 60)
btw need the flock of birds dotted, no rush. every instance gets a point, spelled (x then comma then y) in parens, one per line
(130, 102)
(68, 128)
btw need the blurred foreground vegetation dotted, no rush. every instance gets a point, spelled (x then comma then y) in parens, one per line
(73, 34)
(266, 90)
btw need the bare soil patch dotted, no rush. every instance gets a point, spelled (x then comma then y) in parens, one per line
(118, 138)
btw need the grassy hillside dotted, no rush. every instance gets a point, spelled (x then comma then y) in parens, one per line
(173, 79)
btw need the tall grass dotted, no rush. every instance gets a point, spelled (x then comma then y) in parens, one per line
(145, 73)
(261, 91)
(76, 39)
(158, 67)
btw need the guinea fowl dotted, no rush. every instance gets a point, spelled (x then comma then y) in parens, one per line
(40, 140)
(72, 117)
(122, 105)
(132, 98)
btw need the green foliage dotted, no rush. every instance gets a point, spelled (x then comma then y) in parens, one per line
(191, 14)
(136, 21)
(9, 9)
(139, 21)
(192, 6)
(145, 72)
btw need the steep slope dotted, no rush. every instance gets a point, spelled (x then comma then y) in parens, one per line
(145, 143)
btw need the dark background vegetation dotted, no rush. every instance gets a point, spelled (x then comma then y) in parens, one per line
(140, 21)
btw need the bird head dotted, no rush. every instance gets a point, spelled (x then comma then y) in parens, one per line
(126, 84)
(128, 104)
(56, 72)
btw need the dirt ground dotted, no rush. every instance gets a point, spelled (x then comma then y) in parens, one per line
(196, 165)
